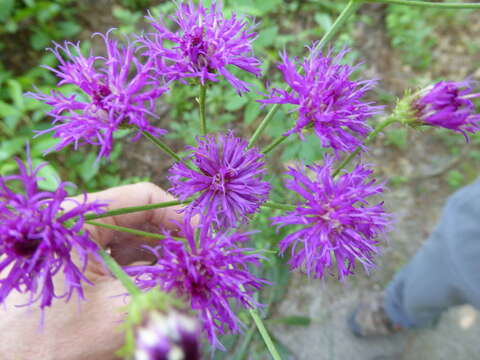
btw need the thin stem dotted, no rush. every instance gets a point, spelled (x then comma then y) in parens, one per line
(133, 209)
(265, 335)
(388, 121)
(164, 147)
(127, 230)
(274, 205)
(274, 144)
(348, 11)
(201, 103)
(430, 4)
(118, 272)
(351, 7)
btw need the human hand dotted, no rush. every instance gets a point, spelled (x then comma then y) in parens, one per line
(87, 330)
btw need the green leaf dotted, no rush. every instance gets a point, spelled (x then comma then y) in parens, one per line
(68, 28)
(294, 320)
(10, 148)
(235, 103)
(39, 40)
(89, 168)
(8, 110)
(16, 93)
(50, 178)
(252, 111)
(6, 9)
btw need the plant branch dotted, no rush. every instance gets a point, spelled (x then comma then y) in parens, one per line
(118, 272)
(133, 209)
(201, 103)
(388, 121)
(430, 4)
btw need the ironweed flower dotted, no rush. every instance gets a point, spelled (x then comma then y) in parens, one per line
(39, 239)
(113, 91)
(337, 224)
(448, 105)
(168, 336)
(227, 183)
(209, 272)
(327, 99)
(204, 46)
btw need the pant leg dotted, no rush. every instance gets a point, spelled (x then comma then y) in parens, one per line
(446, 271)
(424, 288)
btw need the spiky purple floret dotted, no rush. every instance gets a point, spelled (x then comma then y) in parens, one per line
(168, 336)
(227, 183)
(205, 44)
(211, 273)
(40, 239)
(112, 91)
(337, 223)
(449, 105)
(326, 99)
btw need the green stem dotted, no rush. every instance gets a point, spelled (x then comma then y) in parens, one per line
(274, 144)
(164, 147)
(430, 4)
(127, 230)
(273, 205)
(265, 335)
(133, 209)
(118, 272)
(201, 102)
(351, 7)
(388, 121)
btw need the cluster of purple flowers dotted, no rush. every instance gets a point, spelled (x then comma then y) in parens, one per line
(209, 269)
(338, 226)
(40, 237)
(449, 105)
(227, 181)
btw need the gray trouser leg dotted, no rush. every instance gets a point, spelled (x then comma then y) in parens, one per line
(445, 271)
(423, 289)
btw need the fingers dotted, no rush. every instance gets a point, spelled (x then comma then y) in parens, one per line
(68, 328)
(133, 195)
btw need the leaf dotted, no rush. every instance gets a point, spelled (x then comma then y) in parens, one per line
(89, 168)
(252, 111)
(6, 9)
(294, 320)
(235, 103)
(16, 93)
(9, 148)
(68, 28)
(48, 174)
(39, 40)
(8, 110)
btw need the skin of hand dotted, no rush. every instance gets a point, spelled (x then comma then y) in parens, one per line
(87, 330)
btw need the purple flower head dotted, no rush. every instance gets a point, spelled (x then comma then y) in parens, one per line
(41, 237)
(168, 336)
(337, 223)
(114, 90)
(209, 272)
(204, 46)
(326, 99)
(449, 105)
(227, 184)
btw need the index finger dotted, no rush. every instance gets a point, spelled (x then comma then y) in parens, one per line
(133, 195)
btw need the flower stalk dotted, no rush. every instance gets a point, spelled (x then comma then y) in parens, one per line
(388, 121)
(201, 103)
(118, 272)
(429, 4)
(133, 209)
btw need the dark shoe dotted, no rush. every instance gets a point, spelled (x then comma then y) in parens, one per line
(370, 319)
